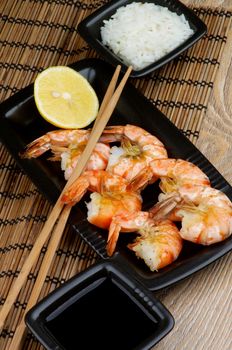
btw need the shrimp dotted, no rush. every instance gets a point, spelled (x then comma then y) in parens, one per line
(175, 173)
(61, 138)
(138, 149)
(99, 181)
(158, 244)
(67, 147)
(69, 158)
(110, 197)
(103, 207)
(205, 214)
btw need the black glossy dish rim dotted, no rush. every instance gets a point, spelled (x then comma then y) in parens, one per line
(108, 9)
(36, 317)
(186, 149)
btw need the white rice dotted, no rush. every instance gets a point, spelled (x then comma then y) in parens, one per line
(142, 33)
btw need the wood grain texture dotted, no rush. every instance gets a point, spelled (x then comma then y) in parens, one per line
(202, 304)
(215, 139)
(209, 3)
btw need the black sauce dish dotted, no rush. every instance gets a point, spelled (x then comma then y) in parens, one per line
(90, 27)
(100, 308)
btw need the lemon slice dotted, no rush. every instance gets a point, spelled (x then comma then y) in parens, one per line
(65, 98)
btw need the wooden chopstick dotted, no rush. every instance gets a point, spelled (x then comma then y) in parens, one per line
(99, 125)
(20, 332)
(19, 335)
(96, 133)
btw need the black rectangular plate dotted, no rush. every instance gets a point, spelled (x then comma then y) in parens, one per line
(20, 123)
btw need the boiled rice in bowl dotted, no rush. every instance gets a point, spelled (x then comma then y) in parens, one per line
(142, 33)
(137, 38)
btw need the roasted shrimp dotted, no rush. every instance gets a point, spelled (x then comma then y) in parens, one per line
(174, 173)
(205, 214)
(67, 146)
(110, 196)
(158, 243)
(94, 181)
(138, 148)
(70, 157)
(103, 207)
(55, 138)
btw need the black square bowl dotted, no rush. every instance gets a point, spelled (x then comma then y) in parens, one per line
(100, 308)
(89, 29)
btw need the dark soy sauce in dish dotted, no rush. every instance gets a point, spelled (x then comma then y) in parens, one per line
(103, 318)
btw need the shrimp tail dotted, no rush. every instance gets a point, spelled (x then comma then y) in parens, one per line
(164, 209)
(76, 191)
(140, 181)
(59, 137)
(36, 148)
(113, 235)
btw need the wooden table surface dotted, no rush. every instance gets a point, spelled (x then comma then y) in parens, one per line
(202, 305)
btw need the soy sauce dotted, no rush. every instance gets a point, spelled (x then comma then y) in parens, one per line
(103, 318)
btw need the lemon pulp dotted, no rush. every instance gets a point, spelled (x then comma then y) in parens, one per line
(65, 98)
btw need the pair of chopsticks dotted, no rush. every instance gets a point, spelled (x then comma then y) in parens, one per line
(59, 214)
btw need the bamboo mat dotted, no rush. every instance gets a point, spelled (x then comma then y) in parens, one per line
(36, 34)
